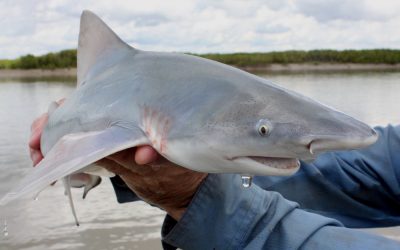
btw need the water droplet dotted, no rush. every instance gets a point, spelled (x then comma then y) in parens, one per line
(5, 230)
(246, 180)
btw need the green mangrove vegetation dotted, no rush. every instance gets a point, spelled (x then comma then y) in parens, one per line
(58, 60)
(377, 56)
(67, 58)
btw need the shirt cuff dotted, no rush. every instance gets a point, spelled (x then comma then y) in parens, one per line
(219, 215)
(122, 191)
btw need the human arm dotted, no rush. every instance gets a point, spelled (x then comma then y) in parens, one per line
(224, 215)
(360, 188)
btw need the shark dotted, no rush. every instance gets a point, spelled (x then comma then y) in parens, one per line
(200, 114)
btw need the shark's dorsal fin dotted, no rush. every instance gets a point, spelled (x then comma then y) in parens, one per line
(96, 40)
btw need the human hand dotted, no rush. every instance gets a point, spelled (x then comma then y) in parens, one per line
(34, 141)
(36, 133)
(153, 178)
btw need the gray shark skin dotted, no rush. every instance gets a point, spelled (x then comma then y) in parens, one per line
(197, 113)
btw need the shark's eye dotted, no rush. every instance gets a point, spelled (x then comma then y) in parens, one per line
(263, 130)
(264, 127)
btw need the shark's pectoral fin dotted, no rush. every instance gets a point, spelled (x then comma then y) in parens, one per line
(72, 153)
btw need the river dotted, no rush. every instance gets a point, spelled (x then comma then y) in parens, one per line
(47, 223)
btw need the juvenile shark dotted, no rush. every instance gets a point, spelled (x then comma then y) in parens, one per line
(197, 113)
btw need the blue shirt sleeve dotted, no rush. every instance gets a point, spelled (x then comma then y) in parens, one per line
(224, 215)
(122, 191)
(360, 188)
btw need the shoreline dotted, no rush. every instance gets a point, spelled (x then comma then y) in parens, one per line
(273, 68)
(27, 73)
(321, 67)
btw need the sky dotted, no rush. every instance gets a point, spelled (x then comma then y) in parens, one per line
(42, 26)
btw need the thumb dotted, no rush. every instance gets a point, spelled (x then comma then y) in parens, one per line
(145, 155)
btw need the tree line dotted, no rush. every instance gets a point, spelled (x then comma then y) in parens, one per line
(67, 58)
(58, 60)
(376, 56)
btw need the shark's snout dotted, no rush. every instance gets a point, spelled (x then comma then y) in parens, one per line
(340, 132)
(325, 129)
(330, 143)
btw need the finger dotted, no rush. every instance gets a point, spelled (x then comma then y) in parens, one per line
(126, 158)
(34, 141)
(145, 155)
(37, 128)
(36, 157)
(39, 122)
(32, 152)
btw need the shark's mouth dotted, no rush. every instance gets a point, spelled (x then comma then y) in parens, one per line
(279, 163)
(270, 165)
